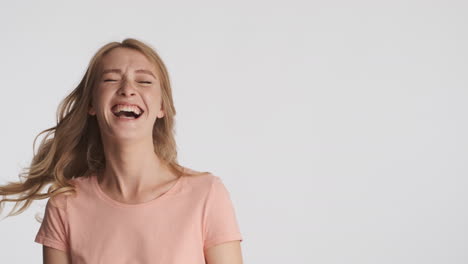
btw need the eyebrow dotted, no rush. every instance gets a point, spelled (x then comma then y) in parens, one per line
(120, 72)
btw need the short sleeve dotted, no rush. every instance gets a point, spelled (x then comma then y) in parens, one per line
(220, 222)
(53, 229)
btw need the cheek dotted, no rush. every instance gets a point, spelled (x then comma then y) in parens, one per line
(100, 95)
(153, 98)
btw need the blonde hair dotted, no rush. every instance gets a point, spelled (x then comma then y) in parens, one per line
(76, 150)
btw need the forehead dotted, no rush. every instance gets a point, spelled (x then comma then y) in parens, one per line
(126, 58)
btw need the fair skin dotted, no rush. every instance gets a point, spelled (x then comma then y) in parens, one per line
(133, 172)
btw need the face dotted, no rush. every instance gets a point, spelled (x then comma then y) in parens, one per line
(128, 78)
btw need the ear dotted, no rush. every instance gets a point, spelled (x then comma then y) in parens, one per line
(91, 110)
(161, 114)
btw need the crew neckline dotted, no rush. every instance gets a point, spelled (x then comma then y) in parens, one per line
(116, 203)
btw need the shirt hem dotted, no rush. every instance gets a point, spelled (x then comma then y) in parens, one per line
(51, 243)
(221, 239)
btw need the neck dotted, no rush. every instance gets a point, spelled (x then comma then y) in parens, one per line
(131, 170)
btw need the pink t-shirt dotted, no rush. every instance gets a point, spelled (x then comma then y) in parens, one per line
(176, 227)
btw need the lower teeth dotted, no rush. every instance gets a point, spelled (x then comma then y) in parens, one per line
(126, 117)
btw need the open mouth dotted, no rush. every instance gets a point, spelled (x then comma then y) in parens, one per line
(127, 112)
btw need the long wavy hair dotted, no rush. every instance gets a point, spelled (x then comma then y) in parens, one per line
(73, 148)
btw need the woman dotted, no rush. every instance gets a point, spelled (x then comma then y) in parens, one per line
(118, 194)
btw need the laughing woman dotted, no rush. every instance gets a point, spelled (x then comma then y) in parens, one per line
(117, 193)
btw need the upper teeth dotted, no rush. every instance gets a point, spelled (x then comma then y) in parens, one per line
(128, 108)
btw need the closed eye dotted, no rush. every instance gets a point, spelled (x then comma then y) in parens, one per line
(116, 80)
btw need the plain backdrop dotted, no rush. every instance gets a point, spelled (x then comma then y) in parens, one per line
(339, 127)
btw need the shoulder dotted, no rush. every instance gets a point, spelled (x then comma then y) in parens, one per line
(62, 199)
(80, 180)
(58, 201)
(202, 181)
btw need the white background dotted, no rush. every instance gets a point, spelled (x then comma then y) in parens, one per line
(339, 127)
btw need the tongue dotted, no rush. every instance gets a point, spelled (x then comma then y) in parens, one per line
(126, 115)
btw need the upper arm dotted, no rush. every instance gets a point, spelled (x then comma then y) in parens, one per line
(53, 232)
(54, 256)
(219, 217)
(224, 253)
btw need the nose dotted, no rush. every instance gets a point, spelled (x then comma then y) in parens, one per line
(126, 88)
